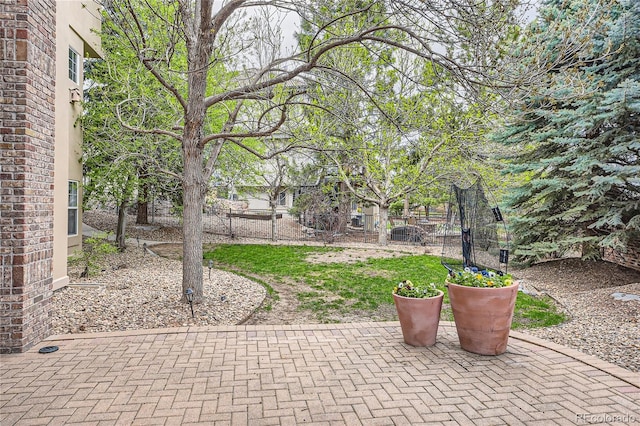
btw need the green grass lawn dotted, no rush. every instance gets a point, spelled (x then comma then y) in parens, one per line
(335, 289)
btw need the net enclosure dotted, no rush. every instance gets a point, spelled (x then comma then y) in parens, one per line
(475, 234)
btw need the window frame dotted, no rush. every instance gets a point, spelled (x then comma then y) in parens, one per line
(74, 68)
(282, 198)
(73, 208)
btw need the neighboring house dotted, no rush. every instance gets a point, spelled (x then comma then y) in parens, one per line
(266, 180)
(42, 46)
(77, 37)
(257, 198)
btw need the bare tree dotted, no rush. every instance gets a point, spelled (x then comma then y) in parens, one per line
(203, 52)
(269, 181)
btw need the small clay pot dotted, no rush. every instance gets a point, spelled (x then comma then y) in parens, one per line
(419, 318)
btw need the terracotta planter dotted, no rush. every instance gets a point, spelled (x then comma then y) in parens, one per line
(483, 316)
(419, 318)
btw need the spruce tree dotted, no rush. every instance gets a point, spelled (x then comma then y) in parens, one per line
(579, 135)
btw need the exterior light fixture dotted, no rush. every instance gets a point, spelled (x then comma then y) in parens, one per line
(75, 95)
(189, 295)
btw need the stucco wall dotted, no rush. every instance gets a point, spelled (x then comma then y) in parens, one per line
(76, 27)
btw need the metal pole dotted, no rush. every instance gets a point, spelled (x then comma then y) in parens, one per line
(189, 295)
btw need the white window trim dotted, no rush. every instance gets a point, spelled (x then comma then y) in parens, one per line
(77, 65)
(282, 198)
(70, 207)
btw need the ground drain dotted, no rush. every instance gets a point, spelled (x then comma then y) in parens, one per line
(48, 349)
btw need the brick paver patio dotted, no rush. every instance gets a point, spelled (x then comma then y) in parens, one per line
(308, 374)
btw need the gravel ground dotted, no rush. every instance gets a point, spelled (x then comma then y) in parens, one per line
(138, 290)
(598, 323)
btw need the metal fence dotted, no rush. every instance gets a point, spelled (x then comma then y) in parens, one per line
(328, 228)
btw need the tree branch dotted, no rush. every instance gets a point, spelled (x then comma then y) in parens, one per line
(144, 131)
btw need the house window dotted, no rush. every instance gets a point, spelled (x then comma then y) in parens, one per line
(72, 227)
(282, 199)
(74, 66)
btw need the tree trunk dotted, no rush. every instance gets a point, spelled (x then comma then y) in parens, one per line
(192, 275)
(274, 220)
(405, 211)
(590, 249)
(193, 185)
(344, 209)
(382, 227)
(142, 217)
(121, 226)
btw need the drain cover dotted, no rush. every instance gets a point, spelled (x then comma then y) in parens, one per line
(48, 349)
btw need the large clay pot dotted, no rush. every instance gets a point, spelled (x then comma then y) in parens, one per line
(483, 316)
(419, 318)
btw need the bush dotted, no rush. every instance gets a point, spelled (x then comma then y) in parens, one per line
(94, 249)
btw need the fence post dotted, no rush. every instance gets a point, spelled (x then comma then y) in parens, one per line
(230, 222)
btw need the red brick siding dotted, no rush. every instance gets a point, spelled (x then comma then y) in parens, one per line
(630, 258)
(27, 86)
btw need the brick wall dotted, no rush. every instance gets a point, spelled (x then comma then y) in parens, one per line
(630, 258)
(27, 85)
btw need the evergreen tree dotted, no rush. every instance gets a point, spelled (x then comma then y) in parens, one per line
(578, 134)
